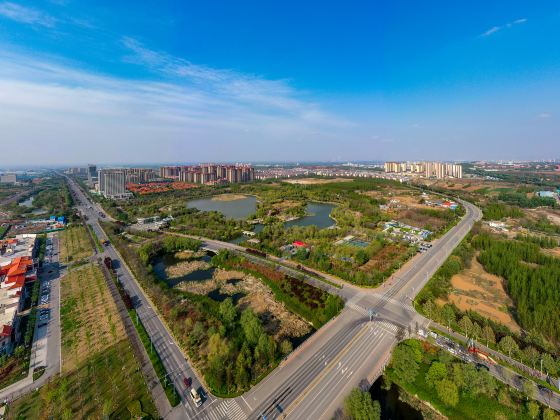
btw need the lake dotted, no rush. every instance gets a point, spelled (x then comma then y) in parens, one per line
(317, 213)
(235, 209)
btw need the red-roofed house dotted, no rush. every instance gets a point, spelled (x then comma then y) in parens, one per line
(300, 244)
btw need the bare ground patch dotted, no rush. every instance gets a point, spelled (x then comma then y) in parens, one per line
(477, 290)
(185, 267)
(384, 258)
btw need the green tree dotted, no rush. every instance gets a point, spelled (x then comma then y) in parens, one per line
(448, 314)
(532, 355)
(359, 406)
(241, 372)
(227, 312)
(286, 347)
(405, 363)
(447, 392)
(550, 414)
(528, 389)
(457, 375)
(436, 373)
(466, 325)
(533, 409)
(508, 345)
(476, 331)
(549, 364)
(488, 335)
(251, 326)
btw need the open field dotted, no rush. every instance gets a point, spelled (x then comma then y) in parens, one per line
(414, 218)
(74, 244)
(100, 376)
(316, 181)
(475, 289)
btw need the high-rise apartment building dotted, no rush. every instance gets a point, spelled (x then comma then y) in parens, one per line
(140, 175)
(8, 179)
(91, 174)
(209, 173)
(427, 169)
(112, 183)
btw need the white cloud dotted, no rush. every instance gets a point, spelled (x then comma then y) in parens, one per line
(544, 115)
(26, 15)
(495, 29)
(208, 115)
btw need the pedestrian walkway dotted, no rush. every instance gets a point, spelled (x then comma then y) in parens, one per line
(226, 410)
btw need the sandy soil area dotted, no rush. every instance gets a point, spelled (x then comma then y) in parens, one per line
(551, 214)
(313, 181)
(555, 252)
(475, 289)
(228, 197)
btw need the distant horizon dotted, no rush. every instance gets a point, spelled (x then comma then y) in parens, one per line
(8, 169)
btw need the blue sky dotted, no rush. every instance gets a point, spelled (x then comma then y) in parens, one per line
(167, 81)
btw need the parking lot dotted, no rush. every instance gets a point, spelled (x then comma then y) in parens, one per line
(47, 331)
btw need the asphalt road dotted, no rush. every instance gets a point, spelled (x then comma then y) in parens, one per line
(351, 350)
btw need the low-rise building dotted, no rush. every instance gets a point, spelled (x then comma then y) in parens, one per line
(17, 268)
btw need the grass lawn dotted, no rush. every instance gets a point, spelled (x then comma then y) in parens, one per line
(100, 374)
(74, 244)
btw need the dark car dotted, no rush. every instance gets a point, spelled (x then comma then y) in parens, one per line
(187, 382)
(480, 366)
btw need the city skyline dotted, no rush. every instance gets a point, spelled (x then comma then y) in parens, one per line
(131, 85)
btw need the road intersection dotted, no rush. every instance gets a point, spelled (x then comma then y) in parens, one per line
(313, 380)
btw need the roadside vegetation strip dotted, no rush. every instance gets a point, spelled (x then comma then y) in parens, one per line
(456, 389)
(100, 374)
(95, 239)
(170, 391)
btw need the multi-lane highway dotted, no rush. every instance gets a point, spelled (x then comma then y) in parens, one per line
(351, 350)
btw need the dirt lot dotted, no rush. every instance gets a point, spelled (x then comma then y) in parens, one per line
(475, 289)
(277, 320)
(414, 218)
(552, 215)
(384, 258)
(314, 181)
(471, 185)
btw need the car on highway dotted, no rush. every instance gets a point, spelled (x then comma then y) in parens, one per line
(187, 382)
(196, 397)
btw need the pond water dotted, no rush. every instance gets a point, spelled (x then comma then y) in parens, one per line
(391, 407)
(161, 262)
(318, 213)
(236, 209)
